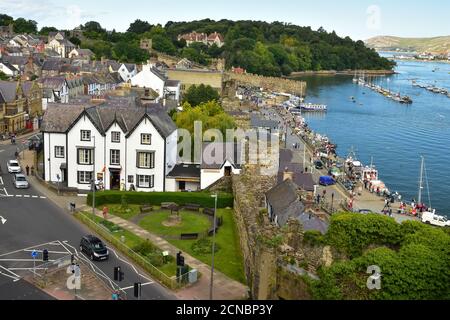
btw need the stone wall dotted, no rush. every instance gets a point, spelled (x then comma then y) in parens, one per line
(268, 83)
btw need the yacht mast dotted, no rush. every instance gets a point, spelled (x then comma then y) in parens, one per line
(421, 180)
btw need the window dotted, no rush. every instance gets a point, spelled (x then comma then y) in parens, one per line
(59, 152)
(115, 157)
(84, 177)
(146, 160)
(145, 181)
(85, 135)
(115, 136)
(85, 156)
(146, 138)
(130, 179)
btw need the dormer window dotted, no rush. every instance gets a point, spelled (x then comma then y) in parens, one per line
(115, 136)
(85, 135)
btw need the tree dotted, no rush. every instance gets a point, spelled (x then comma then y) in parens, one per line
(25, 26)
(139, 27)
(197, 95)
(130, 52)
(75, 41)
(93, 26)
(46, 30)
(163, 44)
(3, 76)
(6, 20)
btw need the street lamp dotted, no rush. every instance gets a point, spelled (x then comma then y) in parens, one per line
(213, 246)
(93, 180)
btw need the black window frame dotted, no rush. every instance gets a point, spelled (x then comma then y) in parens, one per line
(91, 162)
(64, 152)
(131, 179)
(85, 183)
(146, 134)
(152, 159)
(151, 182)
(110, 157)
(112, 135)
(90, 135)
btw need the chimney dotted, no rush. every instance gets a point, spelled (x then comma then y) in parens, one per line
(288, 175)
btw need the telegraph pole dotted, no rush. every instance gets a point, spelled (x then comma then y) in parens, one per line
(213, 247)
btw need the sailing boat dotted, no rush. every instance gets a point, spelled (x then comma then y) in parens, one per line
(423, 172)
(355, 79)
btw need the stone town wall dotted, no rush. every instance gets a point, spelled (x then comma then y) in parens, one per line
(269, 83)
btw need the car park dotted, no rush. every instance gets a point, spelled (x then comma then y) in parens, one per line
(94, 248)
(20, 181)
(13, 166)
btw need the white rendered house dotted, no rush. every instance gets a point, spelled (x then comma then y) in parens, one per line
(119, 143)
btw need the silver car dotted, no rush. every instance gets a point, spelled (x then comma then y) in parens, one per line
(14, 167)
(20, 182)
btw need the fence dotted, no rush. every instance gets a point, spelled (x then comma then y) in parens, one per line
(170, 282)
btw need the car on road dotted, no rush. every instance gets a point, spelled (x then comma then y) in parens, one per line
(318, 165)
(327, 181)
(14, 167)
(435, 220)
(94, 248)
(20, 181)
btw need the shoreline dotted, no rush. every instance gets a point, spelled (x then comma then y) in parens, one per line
(294, 75)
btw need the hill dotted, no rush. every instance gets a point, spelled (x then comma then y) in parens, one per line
(434, 45)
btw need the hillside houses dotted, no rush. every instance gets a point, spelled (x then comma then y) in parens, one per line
(209, 40)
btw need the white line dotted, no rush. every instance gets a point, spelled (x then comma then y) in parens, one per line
(82, 195)
(6, 192)
(57, 252)
(35, 197)
(10, 196)
(27, 269)
(25, 260)
(20, 250)
(1, 181)
(18, 196)
(43, 197)
(131, 265)
(10, 271)
(132, 287)
(27, 196)
(7, 275)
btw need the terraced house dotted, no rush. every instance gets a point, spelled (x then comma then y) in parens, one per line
(119, 143)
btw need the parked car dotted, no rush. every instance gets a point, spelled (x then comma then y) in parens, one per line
(94, 248)
(435, 220)
(326, 181)
(20, 181)
(365, 211)
(348, 185)
(318, 165)
(14, 167)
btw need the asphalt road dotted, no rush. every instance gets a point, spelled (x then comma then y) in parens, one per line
(35, 220)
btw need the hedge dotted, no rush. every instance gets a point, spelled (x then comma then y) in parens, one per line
(203, 199)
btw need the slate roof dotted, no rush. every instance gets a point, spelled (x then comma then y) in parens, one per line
(215, 154)
(172, 83)
(53, 64)
(126, 111)
(130, 67)
(14, 60)
(185, 171)
(8, 91)
(284, 201)
(54, 83)
(303, 181)
(258, 122)
(311, 222)
(84, 52)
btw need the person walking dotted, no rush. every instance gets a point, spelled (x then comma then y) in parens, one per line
(27, 169)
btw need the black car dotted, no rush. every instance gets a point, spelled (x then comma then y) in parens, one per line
(318, 165)
(94, 248)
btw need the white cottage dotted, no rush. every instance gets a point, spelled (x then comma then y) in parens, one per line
(120, 143)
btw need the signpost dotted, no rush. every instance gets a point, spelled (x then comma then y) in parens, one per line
(34, 255)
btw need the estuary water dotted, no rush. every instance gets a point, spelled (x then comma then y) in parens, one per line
(393, 134)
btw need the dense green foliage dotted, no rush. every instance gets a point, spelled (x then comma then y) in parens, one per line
(210, 114)
(3, 76)
(156, 198)
(414, 260)
(197, 95)
(271, 49)
(20, 25)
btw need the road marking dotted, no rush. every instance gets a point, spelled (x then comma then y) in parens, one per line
(57, 252)
(7, 275)
(1, 181)
(37, 246)
(131, 265)
(132, 287)
(43, 197)
(9, 271)
(34, 197)
(24, 260)
(27, 196)
(18, 196)
(6, 192)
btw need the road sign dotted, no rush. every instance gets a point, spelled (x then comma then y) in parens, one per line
(34, 254)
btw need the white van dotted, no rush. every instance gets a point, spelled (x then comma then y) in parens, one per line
(435, 220)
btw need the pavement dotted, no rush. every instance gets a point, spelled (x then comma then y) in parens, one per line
(37, 217)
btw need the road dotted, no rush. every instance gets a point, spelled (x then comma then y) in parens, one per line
(32, 220)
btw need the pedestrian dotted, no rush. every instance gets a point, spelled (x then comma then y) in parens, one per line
(105, 212)
(27, 168)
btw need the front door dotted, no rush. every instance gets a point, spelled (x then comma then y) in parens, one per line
(182, 185)
(115, 180)
(227, 171)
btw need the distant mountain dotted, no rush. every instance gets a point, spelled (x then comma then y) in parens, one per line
(433, 45)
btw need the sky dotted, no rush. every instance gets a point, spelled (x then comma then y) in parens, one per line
(359, 19)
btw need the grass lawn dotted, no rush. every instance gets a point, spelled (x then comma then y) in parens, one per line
(116, 210)
(132, 240)
(228, 259)
(191, 223)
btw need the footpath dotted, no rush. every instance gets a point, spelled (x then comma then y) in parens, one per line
(225, 288)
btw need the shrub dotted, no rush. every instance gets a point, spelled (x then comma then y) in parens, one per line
(314, 238)
(110, 226)
(145, 248)
(204, 246)
(156, 198)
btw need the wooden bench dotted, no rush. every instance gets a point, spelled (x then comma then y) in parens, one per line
(189, 236)
(209, 212)
(192, 207)
(168, 205)
(146, 208)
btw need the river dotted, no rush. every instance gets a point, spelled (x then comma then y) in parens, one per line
(393, 134)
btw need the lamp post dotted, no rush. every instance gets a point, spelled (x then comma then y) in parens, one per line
(93, 180)
(213, 247)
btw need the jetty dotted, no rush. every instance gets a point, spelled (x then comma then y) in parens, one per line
(431, 88)
(385, 92)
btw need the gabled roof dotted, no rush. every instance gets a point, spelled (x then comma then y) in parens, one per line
(216, 154)
(130, 67)
(125, 111)
(8, 91)
(54, 83)
(185, 171)
(9, 66)
(311, 222)
(15, 60)
(172, 83)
